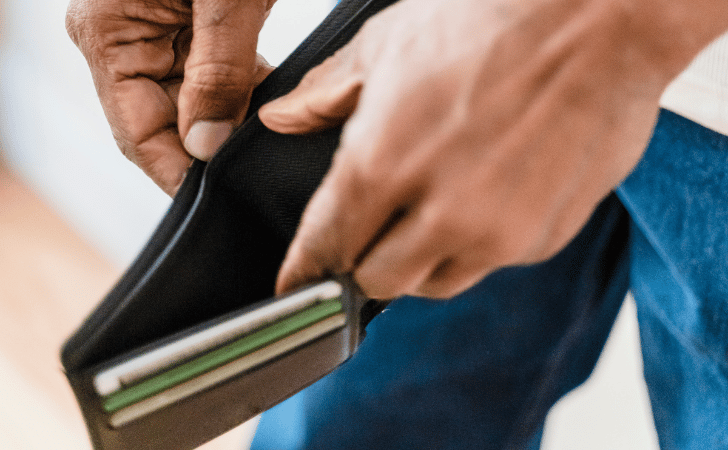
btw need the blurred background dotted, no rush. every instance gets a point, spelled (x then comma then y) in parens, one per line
(74, 213)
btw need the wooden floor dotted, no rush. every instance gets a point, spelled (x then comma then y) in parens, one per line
(49, 280)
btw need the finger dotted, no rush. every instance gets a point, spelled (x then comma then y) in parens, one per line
(219, 71)
(452, 277)
(403, 258)
(144, 121)
(141, 110)
(262, 70)
(325, 98)
(181, 48)
(164, 160)
(348, 212)
(136, 55)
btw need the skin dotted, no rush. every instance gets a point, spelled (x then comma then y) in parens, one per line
(479, 134)
(50, 279)
(170, 94)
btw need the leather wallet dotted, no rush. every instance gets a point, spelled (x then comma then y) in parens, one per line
(191, 342)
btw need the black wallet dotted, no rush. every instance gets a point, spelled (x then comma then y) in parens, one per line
(191, 342)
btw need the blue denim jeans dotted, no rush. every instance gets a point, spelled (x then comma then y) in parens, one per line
(482, 370)
(678, 202)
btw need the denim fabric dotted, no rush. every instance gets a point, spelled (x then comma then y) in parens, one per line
(678, 200)
(482, 370)
(479, 371)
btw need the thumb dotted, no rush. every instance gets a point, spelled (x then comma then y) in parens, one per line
(220, 71)
(326, 97)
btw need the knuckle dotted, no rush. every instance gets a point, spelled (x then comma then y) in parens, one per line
(211, 78)
(375, 26)
(153, 162)
(439, 226)
(127, 149)
(323, 250)
(76, 13)
(444, 227)
(129, 141)
(375, 172)
(86, 24)
(221, 13)
(453, 277)
(71, 23)
(374, 286)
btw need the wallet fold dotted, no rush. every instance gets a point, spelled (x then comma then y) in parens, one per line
(216, 255)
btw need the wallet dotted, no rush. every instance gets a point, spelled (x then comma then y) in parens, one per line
(191, 341)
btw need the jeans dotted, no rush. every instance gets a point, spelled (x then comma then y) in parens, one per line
(482, 370)
(678, 201)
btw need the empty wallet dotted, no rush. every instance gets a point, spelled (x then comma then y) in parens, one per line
(191, 342)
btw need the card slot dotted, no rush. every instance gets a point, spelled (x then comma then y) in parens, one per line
(135, 369)
(245, 363)
(221, 355)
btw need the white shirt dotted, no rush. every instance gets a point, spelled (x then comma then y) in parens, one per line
(700, 93)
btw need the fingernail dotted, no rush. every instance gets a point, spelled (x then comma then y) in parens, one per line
(205, 137)
(274, 106)
(277, 114)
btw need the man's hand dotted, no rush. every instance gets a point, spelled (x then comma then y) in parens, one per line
(170, 72)
(480, 134)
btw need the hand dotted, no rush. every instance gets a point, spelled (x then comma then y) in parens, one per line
(480, 134)
(171, 71)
